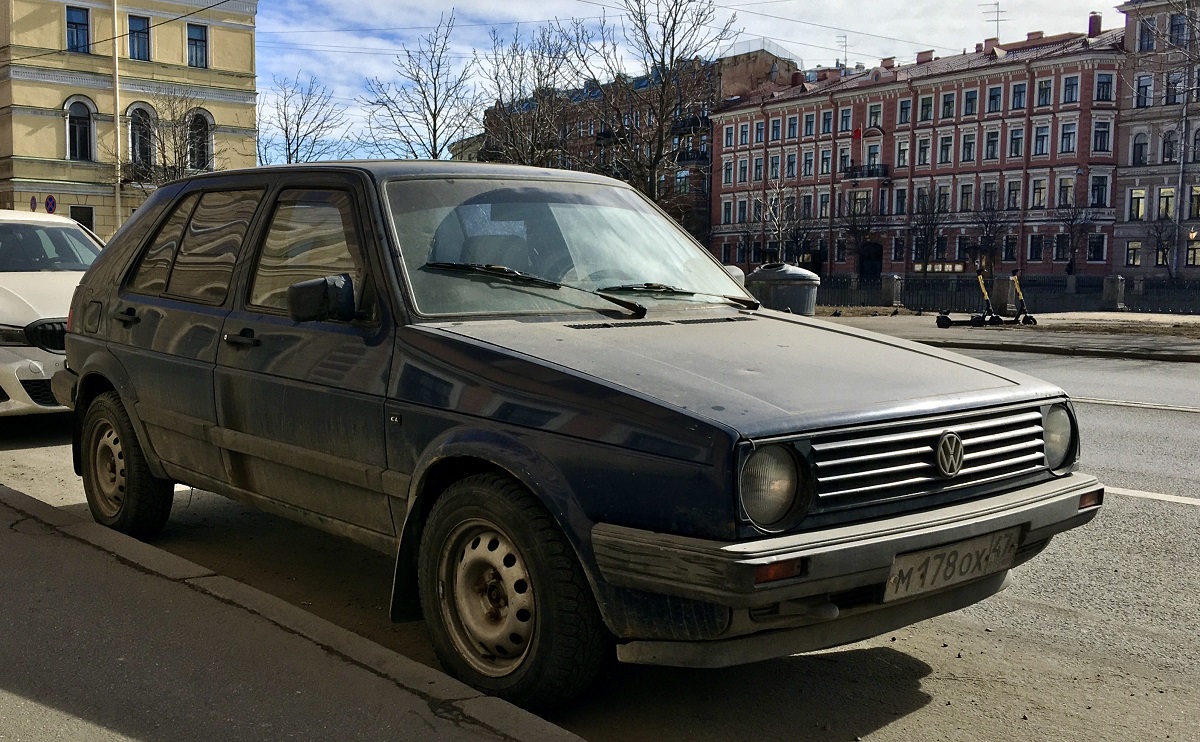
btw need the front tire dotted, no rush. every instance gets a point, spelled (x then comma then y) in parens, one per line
(121, 492)
(508, 608)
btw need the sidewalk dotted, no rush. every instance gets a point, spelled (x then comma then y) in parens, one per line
(1095, 334)
(105, 638)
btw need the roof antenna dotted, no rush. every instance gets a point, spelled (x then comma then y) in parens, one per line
(995, 12)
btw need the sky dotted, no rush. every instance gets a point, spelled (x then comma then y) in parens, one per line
(343, 43)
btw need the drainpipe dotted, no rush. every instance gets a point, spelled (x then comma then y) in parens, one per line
(116, 36)
(1179, 183)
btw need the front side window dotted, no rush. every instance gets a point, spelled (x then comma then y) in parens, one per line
(1143, 90)
(792, 127)
(1146, 32)
(312, 235)
(947, 105)
(922, 151)
(1133, 254)
(1095, 248)
(1013, 191)
(1177, 30)
(875, 115)
(1099, 192)
(744, 134)
(846, 116)
(141, 138)
(775, 129)
(728, 136)
(1166, 203)
(904, 112)
(926, 112)
(991, 145)
(1036, 244)
(1016, 143)
(1037, 194)
(945, 147)
(139, 38)
(1041, 140)
(968, 148)
(77, 31)
(759, 131)
(810, 124)
(902, 154)
(197, 45)
(79, 132)
(1168, 146)
(827, 122)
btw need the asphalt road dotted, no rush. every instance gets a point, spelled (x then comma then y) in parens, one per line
(1095, 640)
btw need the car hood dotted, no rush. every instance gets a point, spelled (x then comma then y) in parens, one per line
(763, 373)
(27, 297)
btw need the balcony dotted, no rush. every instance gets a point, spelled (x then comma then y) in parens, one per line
(690, 124)
(691, 157)
(860, 172)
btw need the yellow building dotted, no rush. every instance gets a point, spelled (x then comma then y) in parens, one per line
(186, 98)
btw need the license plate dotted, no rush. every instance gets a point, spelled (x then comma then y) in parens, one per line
(945, 566)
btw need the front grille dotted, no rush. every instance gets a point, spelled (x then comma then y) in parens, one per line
(49, 334)
(898, 462)
(39, 391)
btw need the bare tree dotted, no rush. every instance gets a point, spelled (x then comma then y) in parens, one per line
(430, 105)
(298, 121)
(641, 108)
(169, 137)
(1162, 234)
(1077, 222)
(928, 221)
(858, 221)
(992, 222)
(527, 81)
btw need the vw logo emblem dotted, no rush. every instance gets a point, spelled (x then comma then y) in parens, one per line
(949, 455)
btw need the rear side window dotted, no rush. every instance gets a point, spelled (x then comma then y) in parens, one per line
(204, 263)
(150, 276)
(312, 235)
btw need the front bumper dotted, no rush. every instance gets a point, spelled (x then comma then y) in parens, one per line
(25, 374)
(848, 560)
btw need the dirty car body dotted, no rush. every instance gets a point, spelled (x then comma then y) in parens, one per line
(567, 421)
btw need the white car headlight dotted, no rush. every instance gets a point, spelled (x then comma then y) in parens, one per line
(771, 486)
(10, 335)
(1059, 436)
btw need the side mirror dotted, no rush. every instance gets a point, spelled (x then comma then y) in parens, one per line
(737, 273)
(317, 299)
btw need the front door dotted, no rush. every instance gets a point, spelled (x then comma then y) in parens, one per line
(870, 261)
(301, 404)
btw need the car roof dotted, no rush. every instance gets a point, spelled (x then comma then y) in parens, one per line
(385, 169)
(13, 216)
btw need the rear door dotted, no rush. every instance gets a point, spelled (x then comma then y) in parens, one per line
(165, 325)
(300, 405)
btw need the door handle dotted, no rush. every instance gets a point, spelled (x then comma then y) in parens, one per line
(244, 338)
(126, 316)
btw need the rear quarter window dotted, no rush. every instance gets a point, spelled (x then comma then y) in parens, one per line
(204, 262)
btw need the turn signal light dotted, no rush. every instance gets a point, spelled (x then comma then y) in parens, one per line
(776, 571)
(1091, 499)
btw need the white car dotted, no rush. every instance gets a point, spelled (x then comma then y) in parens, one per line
(42, 258)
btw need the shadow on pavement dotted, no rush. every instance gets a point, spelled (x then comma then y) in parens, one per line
(34, 431)
(843, 695)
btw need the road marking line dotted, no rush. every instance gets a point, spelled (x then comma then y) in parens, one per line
(1154, 496)
(1143, 405)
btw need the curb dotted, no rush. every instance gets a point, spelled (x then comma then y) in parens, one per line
(1059, 350)
(437, 688)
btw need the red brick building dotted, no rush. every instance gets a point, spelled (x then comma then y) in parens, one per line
(1024, 133)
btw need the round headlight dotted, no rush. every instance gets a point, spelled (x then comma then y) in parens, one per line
(1059, 433)
(770, 483)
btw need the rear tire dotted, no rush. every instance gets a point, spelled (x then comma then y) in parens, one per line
(121, 492)
(506, 602)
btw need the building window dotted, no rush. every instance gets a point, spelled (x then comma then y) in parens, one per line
(1194, 205)
(791, 127)
(197, 45)
(943, 198)
(1066, 139)
(1071, 89)
(1193, 253)
(922, 151)
(79, 132)
(1016, 143)
(901, 201)
(791, 165)
(1104, 86)
(844, 158)
(1177, 30)
(875, 115)
(139, 38)
(1010, 248)
(1141, 149)
(904, 113)
(1133, 254)
(846, 116)
(758, 168)
(945, 148)
(1041, 140)
(744, 134)
(872, 155)
(1168, 146)
(968, 148)
(198, 145)
(823, 206)
(939, 248)
(839, 251)
(926, 111)
(1018, 96)
(898, 249)
(741, 212)
(966, 197)
(1035, 247)
(760, 130)
(727, 173)
(1166, 203)
(1102, 136)
(1099, 192)
(808, 165)
(1162, 256)
(991, 145)
(1066, 192)
(970, 102)
(1062, 247)
(826, 122)
(84, 215)
(727, 212)
(1137, 205)
(776, 129)
(141, 138)
(1143, 87)
(826, 161)
(1037, 194)
(902, 154)
(774, 167)
(994, 99)
(806, 206)
(947, 105)
(989, 196)
(1095, 248)
(77, 30)
(728, 136)
(1013, 198)
(1146, 31)
(1173, 90)
(810, 123)
(743, 171)
(1045, 92)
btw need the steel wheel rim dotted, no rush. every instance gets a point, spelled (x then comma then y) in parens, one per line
(108, 470)
(486, 597)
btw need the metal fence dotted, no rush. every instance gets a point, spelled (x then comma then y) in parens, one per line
(1172, 296)
(950, 294)
(850, 291)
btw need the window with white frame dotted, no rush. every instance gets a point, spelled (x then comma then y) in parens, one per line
(1102, 136)
(80, 131)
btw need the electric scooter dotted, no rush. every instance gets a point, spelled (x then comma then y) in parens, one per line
(988, 317)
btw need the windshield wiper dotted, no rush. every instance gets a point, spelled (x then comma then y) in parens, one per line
(503, 271)
(662, 288)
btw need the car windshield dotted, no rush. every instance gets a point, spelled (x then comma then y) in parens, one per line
(26, 248)
(589, 236)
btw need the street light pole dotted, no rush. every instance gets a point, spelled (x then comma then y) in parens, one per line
(1184, 125)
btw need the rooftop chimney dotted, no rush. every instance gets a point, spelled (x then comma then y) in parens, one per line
(1094, 25)
(1034, 35)
(925, 56)
(887, 63)
(978, 48)
(797, 78)
(990, 44)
